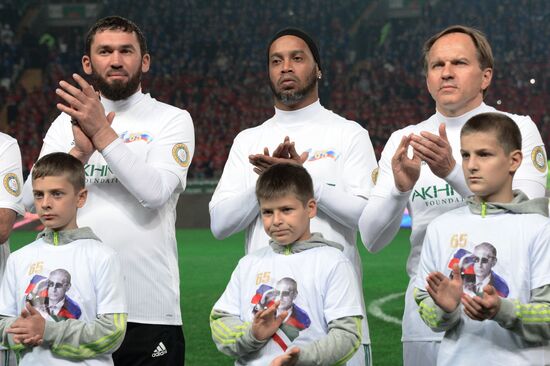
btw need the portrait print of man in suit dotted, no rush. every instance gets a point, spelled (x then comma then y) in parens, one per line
(49, 296)
(59, 305)
(485, 258)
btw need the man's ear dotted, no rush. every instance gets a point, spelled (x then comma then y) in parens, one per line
(487, 76)
(87, 64)
(145, 63)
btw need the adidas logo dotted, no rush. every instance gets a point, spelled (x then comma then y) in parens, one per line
(160, 351)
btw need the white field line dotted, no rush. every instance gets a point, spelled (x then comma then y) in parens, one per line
(375, 308)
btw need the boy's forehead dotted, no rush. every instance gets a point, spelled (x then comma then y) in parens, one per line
(476, 134)
(280, 199)
(52, 181)
(480, 139)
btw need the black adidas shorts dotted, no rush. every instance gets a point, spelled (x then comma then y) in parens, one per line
(151, 345)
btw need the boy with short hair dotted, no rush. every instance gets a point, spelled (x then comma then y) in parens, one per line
(62, 296)
(484, 272)
(298, 295)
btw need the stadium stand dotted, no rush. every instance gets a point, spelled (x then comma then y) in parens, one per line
(208, 57)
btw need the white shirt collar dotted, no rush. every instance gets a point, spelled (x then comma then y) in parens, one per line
(299, 116)
(122, 105)
(459, 121)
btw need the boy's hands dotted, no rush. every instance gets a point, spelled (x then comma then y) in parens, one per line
(484, 307)
(289, 358)
(266, 322)
(445, 292)
(29, 327)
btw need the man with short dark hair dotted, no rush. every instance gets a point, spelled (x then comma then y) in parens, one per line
(129, 143)
(420, 165)
(337, 153)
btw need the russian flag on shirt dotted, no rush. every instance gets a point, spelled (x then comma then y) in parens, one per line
(461, 257)
(298, 318)
(500, 285)
(38, 286)
(464, 259)
(260, 293)
(70, 310)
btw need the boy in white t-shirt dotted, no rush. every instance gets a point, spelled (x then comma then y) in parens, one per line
(62, 297)
(295, 302)
(484, 272)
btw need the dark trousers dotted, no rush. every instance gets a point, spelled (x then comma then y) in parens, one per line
(151, 345)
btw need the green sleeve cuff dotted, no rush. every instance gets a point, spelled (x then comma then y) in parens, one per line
(506, 315)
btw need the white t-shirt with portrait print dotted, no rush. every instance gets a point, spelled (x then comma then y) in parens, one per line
(522, 244)
(432, 196)
(326, 291)
(96, 287)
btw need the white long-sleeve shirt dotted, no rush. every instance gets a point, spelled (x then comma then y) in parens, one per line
(10, 191)
(341, 162)
(432, 196)
(134, 185)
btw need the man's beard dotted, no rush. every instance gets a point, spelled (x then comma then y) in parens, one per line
(293, 97)
(118, 89)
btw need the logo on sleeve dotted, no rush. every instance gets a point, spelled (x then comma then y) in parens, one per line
(322, 154)
(12, 185)
(539, 158)
(129, 137)
(180, 152)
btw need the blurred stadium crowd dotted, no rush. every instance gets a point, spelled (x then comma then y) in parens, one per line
(209, 57)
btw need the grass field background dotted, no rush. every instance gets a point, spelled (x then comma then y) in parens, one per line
(206, 265)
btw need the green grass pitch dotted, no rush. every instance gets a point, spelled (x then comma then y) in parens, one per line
(206, 265)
